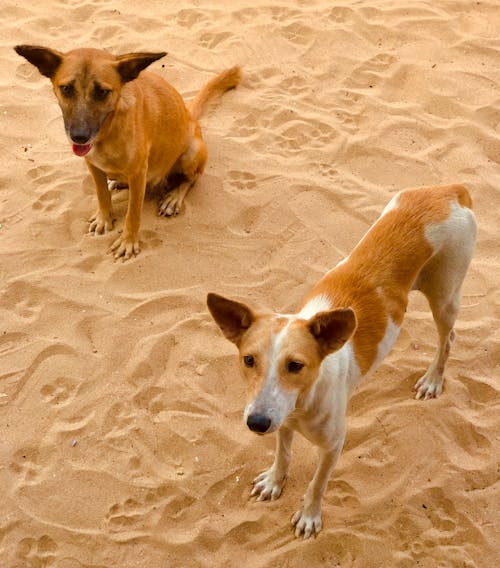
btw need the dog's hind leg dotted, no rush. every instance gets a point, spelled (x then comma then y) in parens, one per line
(430, 385)
(189, 167)
(441, 281)
(171, 204)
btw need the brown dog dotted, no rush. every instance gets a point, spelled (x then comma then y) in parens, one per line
(133, 128)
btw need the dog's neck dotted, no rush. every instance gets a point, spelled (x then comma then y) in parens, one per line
(342, 369)
(337, 377)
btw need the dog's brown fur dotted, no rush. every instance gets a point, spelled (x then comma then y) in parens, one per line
(140, 131)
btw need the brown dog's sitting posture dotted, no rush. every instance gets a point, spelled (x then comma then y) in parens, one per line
(132, 127)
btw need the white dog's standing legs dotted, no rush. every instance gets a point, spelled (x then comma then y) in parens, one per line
(269, 484)
(307, 521)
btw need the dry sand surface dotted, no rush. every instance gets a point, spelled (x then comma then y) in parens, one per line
(121, 435)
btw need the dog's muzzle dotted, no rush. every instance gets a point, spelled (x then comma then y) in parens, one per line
(258, 423)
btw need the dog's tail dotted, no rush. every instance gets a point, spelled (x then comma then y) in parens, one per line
(226, 80)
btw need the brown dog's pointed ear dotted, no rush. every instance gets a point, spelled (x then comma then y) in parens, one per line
(46, 60)
(131, 64)
(332, 329)
(233, 318)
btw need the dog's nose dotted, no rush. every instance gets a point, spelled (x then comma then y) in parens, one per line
(258, 423)
(80, 136)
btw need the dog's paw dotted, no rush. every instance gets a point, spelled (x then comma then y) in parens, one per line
(172, 202)
(125, 247)
(267, 486)
(429, 386)
(101, 223)
(306, 524)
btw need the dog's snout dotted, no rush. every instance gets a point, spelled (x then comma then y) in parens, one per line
(258, 423)
(80, 135)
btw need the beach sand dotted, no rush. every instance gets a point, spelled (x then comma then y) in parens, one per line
(122, 442)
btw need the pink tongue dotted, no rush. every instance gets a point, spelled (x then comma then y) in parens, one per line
(81, 149)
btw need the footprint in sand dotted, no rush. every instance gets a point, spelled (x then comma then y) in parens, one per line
(349, 99)
(25, 465)
(444, 512)
(37, 553)
(22, 298)
(134, 514)
(287, 131)
(445, 522)
(48, 201)
(58, 392)
(188, 18)
(246, 126)
(300, 135)
(42, 174)
(152, 240)
(327, 170)
(341, 14)
(344, 495)
(295, 85)
(211, 40)
(347, 121)
(146, 512)
(242, 180)
(298, 33)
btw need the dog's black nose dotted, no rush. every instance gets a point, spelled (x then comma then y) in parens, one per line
(258, 423)
(80, 136)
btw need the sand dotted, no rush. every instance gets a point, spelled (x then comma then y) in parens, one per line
(122, 442)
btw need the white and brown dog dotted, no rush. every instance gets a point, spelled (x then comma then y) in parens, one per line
(300, 369)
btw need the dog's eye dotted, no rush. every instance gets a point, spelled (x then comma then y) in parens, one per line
(67, 91)
(100, 93)
(295, 366)
(249, 360)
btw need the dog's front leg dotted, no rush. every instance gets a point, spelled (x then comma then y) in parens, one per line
(127, 244)
(103, 220)
(269, 484)
(307, 521)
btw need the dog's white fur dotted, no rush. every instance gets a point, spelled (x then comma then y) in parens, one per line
(441, 228)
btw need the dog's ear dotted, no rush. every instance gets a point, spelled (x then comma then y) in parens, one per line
(131, 64)
(332, 329)
(46, 60)
(233, 318)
